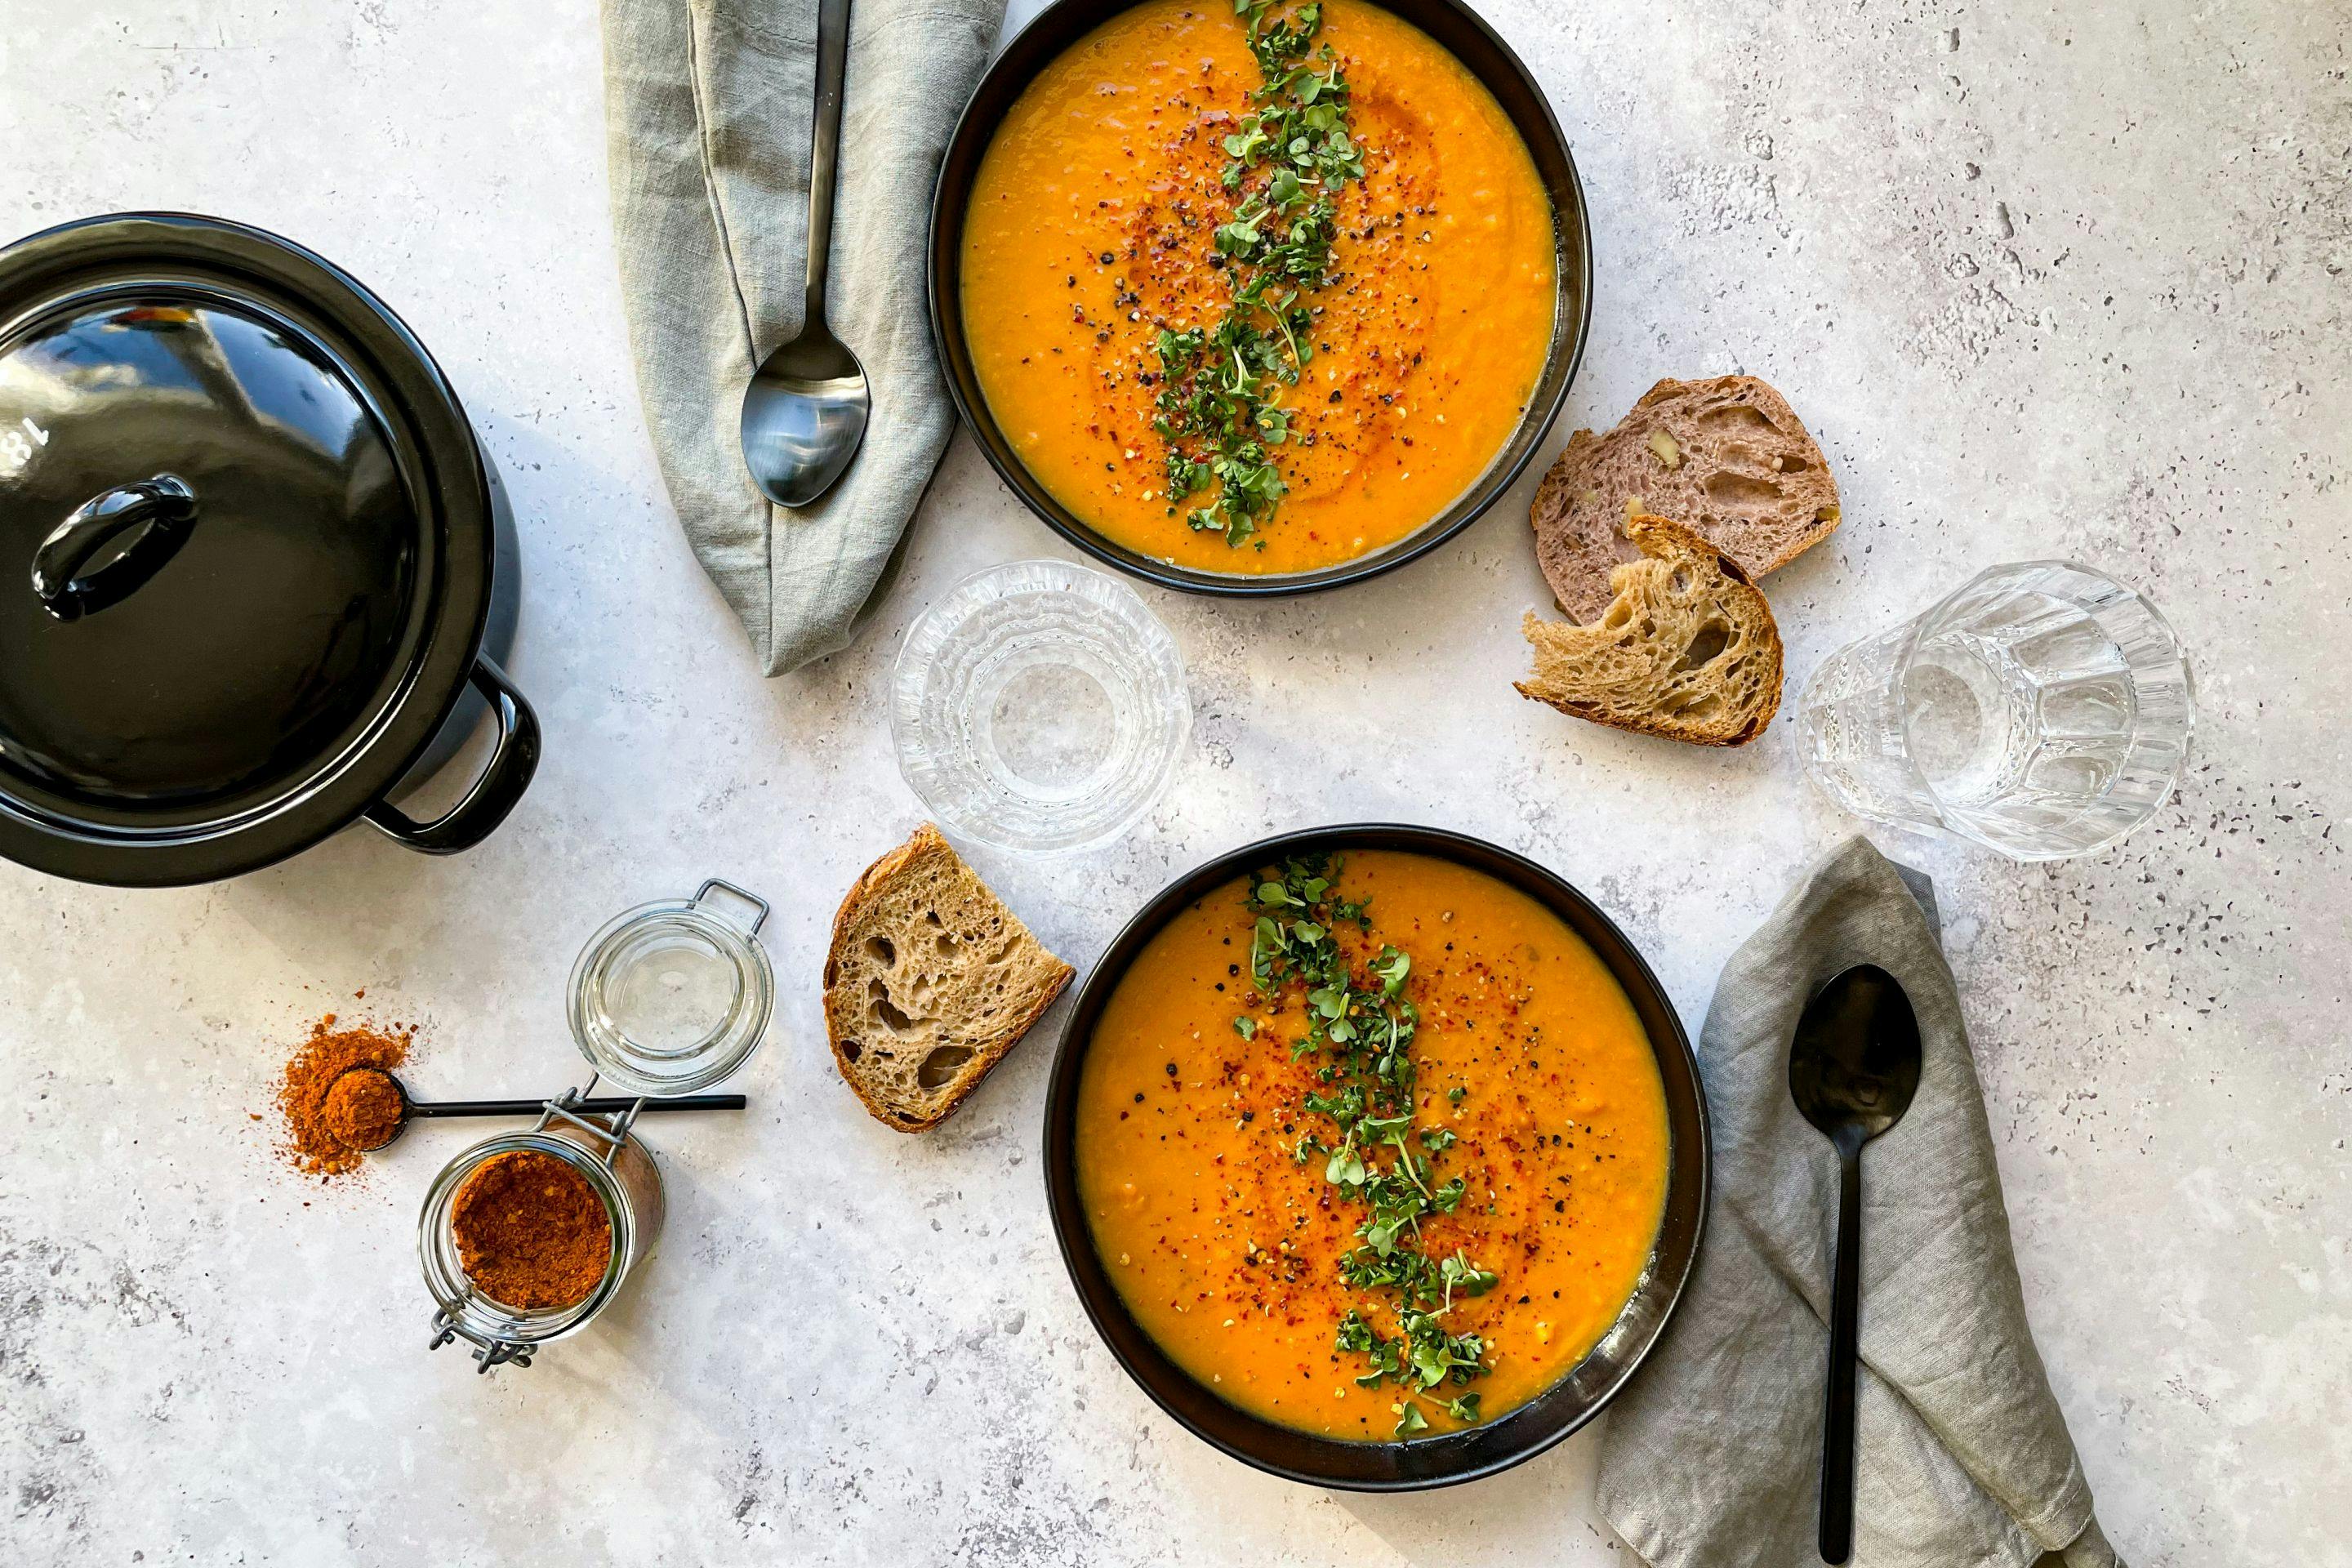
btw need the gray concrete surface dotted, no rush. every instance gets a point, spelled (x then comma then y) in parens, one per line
(2067, 278)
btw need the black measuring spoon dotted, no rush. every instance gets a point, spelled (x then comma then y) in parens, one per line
(602, 1105)
(1852, 1069)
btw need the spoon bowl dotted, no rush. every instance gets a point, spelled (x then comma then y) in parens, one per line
(1855, 1063)
(804, 416)
(1853, 1066)
(365, 1079)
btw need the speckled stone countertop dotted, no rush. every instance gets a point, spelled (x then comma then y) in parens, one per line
(2065, 279)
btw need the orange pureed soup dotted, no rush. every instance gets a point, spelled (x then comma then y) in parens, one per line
(1403, 358)
(1216, 1178)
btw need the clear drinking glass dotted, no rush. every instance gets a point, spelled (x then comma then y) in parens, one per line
(1039, 706)
(2043, 711)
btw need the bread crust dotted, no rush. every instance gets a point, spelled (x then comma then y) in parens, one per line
(927, 844)
(1747, 476)
(1660, 539)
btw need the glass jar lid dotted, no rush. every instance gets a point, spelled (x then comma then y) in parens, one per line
(672, 998)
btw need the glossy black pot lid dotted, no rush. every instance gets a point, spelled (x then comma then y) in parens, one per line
(244, 543)
(208, 554)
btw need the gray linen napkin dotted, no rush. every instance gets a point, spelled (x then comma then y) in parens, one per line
(1711, 1458)
(706, 106)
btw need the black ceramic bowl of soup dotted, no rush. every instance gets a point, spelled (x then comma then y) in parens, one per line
(1077, 211)
(1202, 1246)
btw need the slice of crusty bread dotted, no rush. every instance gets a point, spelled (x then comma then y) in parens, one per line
(929, 981)
(1686, 650)
(1728, 456)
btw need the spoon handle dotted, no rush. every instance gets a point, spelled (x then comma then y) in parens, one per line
(1846, 1314)
(599, 1106)
(832, 72)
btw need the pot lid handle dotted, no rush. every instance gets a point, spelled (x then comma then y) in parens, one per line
(163, 509)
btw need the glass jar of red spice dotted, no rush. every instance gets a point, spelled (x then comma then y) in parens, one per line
(617, 1169)
(667, 998)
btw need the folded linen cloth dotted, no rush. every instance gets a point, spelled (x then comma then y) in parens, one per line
(1711, 1458)
(708, 107)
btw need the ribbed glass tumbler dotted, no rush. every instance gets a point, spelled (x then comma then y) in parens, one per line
(2043, 711)
(1039, 707)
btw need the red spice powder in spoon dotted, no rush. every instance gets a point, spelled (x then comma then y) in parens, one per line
(310, 1144)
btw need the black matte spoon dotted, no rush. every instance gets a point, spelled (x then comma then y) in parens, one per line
(412, 1109)
(1852, 1069)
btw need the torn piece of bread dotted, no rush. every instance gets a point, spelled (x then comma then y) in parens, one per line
(1686, 650)
(1728, 457)
(929, 981)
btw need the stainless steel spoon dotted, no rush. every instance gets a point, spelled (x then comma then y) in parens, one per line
(410, 1109)
(1852, 1070)
(805, 412)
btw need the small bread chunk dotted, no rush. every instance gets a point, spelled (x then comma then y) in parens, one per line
(1728, 456)
(1686, 650)
(931, 980)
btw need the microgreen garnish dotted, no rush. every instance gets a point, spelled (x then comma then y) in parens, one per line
(1362, 1024)
(1219, 408)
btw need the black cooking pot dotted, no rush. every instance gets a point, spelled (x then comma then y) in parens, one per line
(251, 560)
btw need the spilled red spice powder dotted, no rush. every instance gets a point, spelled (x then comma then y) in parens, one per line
(310, 1143)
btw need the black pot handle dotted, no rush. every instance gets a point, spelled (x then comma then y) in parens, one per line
(493, 795)
(164, 510)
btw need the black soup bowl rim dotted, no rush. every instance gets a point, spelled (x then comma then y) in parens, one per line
(1493, 63)
(1424, 1463)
